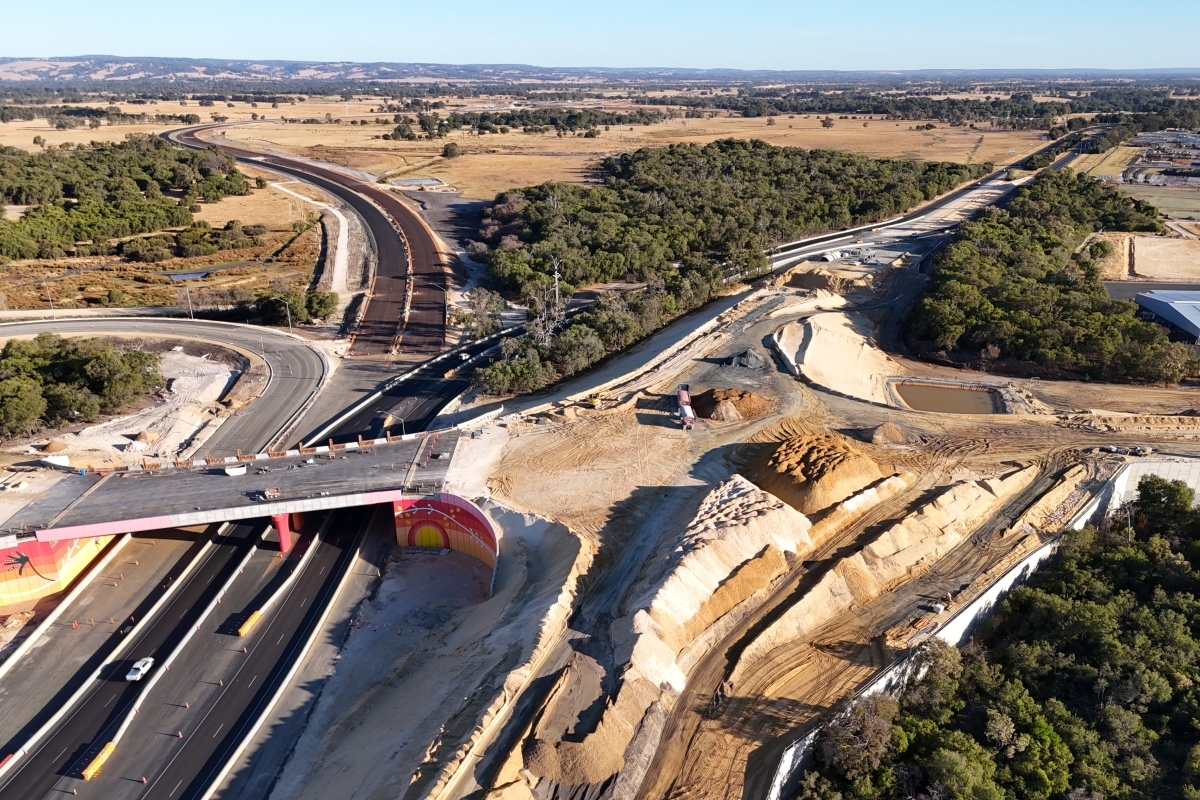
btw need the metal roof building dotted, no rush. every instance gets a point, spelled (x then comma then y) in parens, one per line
(1179, 311)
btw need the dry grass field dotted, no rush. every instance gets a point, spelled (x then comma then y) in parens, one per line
(493, 163)
(1112, 163)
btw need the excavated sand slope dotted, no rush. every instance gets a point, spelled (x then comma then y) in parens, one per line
(897, 555)
(739, 531)
(812, 473)
(720, 568)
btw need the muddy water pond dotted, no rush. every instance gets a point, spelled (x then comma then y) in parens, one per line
(948, 399)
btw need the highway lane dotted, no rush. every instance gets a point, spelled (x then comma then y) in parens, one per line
(205, 749)
(77, 739)
(402, 241)
(297, 370)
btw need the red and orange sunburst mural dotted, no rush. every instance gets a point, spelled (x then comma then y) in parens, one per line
(450, 522)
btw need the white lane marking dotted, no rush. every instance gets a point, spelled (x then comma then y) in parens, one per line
(218, 730)
(176, 789)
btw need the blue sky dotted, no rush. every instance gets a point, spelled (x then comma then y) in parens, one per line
(747, 34)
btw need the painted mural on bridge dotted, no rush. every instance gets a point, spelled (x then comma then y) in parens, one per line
(447, 521)
(32, 569)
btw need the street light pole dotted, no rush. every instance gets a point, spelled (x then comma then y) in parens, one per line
(288, 306)
(188, 290)
(50, 297)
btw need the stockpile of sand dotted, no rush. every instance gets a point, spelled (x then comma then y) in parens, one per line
(729, 405)
(836, 350)
(813, 473)
(899, 554)
(887, 433)
(54, 446)
(714, 572)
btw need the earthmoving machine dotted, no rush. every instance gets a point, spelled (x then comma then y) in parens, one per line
(596, 400)
(686, 415)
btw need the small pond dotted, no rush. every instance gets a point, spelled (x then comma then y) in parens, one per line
(949, 399)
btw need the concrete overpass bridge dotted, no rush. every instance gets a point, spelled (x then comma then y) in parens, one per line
(86, 503)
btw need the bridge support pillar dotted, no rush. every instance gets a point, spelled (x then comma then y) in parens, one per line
(283, 524)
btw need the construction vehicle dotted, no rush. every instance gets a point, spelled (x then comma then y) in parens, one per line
(686, 415)
(268, 494)
(596, 400)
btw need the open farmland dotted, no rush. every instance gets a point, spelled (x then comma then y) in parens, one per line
(491, 164)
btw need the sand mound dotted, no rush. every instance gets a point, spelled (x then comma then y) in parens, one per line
(744, 404)
(147, 437)
(811, 473)
(703, 582)
(725, 412)
(55, 446)
(887, 433)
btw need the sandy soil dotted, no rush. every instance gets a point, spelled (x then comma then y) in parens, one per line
(1158, 258)
(431, 657)
(833, 350)
(167, 428)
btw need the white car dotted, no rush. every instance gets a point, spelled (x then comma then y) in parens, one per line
(139, 669)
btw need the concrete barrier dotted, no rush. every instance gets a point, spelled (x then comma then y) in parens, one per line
(86, 686)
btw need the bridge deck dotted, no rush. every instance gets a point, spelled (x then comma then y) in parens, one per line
(85, 505)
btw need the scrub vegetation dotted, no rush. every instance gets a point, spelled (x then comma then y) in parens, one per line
(684, 220)
(84, 197)
(50, 380)
(1084, 685)
(1014, 283)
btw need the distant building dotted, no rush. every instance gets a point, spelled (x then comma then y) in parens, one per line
(1178, 311)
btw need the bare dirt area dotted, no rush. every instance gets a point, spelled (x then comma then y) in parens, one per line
(204, 384)
(1158, 258)
(699, 659)
(430, 660)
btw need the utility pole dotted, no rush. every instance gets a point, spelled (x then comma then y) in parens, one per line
(50, 297)
(188, 290)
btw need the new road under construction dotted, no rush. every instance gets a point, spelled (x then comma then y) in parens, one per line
(653, 580)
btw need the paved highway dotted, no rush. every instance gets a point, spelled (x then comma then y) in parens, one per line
(78, 738)
(204, 750)
(381, 323)
(297, 369)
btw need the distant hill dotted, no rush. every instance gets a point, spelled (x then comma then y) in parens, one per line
(116, 69)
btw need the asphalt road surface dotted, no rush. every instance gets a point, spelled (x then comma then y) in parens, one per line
(78, 738)
(381, 323)
(205, 749)
(297, 370)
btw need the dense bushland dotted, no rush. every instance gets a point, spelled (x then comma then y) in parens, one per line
(1013, 284)
(1084, 685)
(85, 196)
(683, 219)
(50, 380)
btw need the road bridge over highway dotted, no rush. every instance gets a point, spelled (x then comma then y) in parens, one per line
(279, 486)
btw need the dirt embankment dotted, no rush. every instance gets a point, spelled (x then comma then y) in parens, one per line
(730, 405)
(393, 712)
(899, 554)
(706, 579)
(814, 472)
